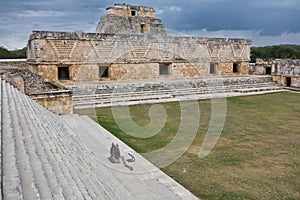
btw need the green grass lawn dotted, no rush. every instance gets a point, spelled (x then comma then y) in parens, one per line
(257, 155)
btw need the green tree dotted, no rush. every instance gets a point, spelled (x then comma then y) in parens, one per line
(14, 54)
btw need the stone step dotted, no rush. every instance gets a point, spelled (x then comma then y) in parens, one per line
(93, 186)
(1, 97)
(10, 173)
(50, 152)
(57, 153)
(157, 96)
(44, 158)
(28, 183)
(45, 179)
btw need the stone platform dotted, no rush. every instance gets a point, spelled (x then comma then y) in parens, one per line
(44, 156)
(120, 93)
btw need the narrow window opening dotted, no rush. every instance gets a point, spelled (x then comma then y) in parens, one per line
(63, 73)
(163, 69)
(103, 72)
(235, 68)
(212, 68)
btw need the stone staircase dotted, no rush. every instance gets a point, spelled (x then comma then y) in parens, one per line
(157, 91)
(44, 158)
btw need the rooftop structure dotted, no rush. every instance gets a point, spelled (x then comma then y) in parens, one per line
(122, 18)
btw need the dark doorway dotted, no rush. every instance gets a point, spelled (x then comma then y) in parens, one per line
(276, 68)
(133, 13)
(163, 69)
(142, 28)
(268, 70)
(288, 81)
(63, 73)
(235, 68)
(212, 68)
(103, 72)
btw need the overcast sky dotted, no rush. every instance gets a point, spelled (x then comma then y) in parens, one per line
(266, 22)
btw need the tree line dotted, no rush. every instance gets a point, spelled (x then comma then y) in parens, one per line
(14, 54)
(277, 51)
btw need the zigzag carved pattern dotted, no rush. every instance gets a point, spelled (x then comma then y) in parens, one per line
(237, 49)
(214, 49)
(63, 48)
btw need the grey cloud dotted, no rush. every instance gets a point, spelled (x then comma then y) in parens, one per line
(272, 20)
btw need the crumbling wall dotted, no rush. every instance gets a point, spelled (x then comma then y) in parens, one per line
(278, 66)
(13, 64)
(58, 102)
(54, 97)
(129, 19)
(282, 70)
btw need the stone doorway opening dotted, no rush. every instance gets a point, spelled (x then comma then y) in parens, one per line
(288, 81)
(63, 73)
(235, 68)
(268, 70)
(103, 72)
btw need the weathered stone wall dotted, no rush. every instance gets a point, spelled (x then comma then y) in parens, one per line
(13, 63)
(112, 24)
(57, 103)
(127, 19)
(83, 53)
(282, 80)
(278, 66)
(52, 96)
(125, 10)
(128, 86)
(281, 70)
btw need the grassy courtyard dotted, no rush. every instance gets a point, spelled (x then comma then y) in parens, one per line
(257, 155)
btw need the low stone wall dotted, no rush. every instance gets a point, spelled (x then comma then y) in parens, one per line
(283, 80)
(13, 63)
(52, 96)
(59, 102)
(135, 86)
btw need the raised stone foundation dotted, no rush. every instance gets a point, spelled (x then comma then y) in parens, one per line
(13, 64)
(120, 93)
(53, 96)
(59, 102)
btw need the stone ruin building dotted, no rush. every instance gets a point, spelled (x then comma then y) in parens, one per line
(285, 72)
(130, 59)
(47, 156)
(131, 43)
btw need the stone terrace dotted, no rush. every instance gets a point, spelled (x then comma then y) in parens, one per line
(43, 158)
(120, 93)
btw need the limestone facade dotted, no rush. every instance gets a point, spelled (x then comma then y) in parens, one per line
(110, 54)
(285, 72)
(129, 19)
(59, 102)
